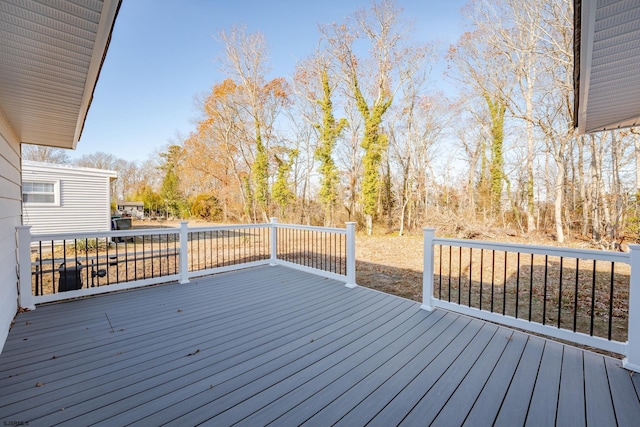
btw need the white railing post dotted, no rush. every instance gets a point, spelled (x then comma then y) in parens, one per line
(25, 293)
(273, 260)
(632, 359)
(427, 271)
(351, 255)
(184, 252)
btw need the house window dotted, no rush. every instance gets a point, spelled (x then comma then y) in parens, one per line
(45, 193)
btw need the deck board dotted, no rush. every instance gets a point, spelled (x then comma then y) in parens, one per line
(342, 375)
(398, 408)
(599, 410)
(275, 345)
(349, 410)
(571, 389)
(455, 410)
(625, 398)
(490, 398)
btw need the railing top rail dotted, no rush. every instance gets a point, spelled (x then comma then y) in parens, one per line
(335, 230)
(537, 249)
(94, 234)
(227, 227)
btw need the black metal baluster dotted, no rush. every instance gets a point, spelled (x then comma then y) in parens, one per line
(343, 251)
(64, 254)
(517, 284)
(126, 261)
(53, 269)
(593, 297)
(504, 286)
(481, 268)
(40, 260)
(450, 261)
(440, 276)
(135, 258)
(470, 271)
(144, 259)
(226, 259)
(159, 254)
(459, 274)
(106, 264)
(575, 296)
(153, 258)
(560, 292)
(611, 301)
(493, 275)
(86, 258)
(530, 287)
(544, 301)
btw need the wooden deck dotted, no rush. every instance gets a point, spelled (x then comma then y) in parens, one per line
(274, 345)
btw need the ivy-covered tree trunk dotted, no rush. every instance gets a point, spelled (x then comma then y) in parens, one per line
(260, 171)
(375, 145)
(281, 191)
(170, 189)
(497, 108)
(329, 132)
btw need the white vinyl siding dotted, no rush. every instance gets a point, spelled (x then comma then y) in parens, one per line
(83, 199)
(10, 199)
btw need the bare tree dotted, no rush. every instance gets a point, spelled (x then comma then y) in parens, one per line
(374, 81)
(246, 59)
(41, 153)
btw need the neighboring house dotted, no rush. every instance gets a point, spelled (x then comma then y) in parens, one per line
(50, 59)
(61, 198)
(132, 209)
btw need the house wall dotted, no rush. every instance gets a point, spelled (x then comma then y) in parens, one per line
(10, 200)
(84, 199)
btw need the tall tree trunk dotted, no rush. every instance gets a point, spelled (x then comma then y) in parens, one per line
(557, 205)
(531, 225)
(583, 188)
(616, 188)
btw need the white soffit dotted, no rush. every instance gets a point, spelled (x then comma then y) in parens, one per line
(609, 91)
(51, 52)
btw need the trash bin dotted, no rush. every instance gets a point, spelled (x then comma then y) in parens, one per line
(118, 223)
(122, 223)
(70, 277)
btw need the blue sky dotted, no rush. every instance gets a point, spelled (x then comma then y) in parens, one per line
(163, 54)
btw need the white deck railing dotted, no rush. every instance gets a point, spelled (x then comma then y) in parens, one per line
(152, 256)
(583, 296)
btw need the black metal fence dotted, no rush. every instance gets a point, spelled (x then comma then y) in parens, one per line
(73, 264)
(579, 291)
(215, 247)
(320, 248)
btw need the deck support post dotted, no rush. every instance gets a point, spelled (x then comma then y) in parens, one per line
(184, 252)
(351, 255)
(632, 359)
(273, 260)
(427, 275)
(25, 293)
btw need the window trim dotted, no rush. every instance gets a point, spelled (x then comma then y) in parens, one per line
(56, 192)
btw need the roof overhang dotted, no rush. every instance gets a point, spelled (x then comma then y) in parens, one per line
(50, 60)
(607, 64)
